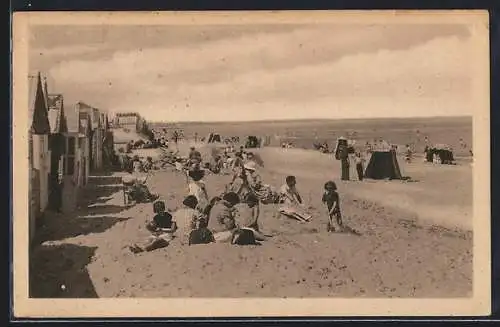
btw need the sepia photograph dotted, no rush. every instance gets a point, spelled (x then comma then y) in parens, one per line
(251, 164)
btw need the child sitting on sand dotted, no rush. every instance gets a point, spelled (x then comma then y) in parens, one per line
(331, 199)
(226, 227)
(161, 227)
(291, 204)
(192, 224)
(225, 219)
(187, 218)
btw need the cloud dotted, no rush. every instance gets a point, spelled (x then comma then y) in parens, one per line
(299, 72)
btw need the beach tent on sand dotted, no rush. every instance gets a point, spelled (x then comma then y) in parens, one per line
(444, 154)
(383, 165)
(213, 138)
(252, 142)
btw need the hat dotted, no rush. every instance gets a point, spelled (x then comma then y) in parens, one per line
(249, 165)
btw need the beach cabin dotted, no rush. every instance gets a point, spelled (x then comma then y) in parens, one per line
(74, 159)
(57, 146)
(93, 116)
(39, 153)
(85, 147)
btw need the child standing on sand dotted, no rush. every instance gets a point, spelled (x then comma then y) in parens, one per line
(332, 200)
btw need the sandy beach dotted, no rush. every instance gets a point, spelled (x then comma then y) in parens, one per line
(415, 241)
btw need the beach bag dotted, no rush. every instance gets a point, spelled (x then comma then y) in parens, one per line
(201, 236)
(243, 236)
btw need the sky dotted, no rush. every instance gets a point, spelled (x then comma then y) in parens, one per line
(259, 72)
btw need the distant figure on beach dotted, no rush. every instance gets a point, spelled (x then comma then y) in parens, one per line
(175, 137)
(342, 154)
(237, 163)
(360, 162)
(137, 165)
(148, 165)
(161, 227)
(291, 204)
(139, 191)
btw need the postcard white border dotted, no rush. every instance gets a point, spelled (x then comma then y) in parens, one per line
(478, 304)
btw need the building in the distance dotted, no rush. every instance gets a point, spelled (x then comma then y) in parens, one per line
(129, 120)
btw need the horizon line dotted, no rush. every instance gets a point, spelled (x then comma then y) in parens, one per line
(297, 119)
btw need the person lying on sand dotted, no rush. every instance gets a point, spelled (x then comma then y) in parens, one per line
(161, 227)
(291, 204)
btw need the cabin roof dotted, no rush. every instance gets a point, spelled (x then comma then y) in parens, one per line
(37, 105)
(57, 117)
(72, 119)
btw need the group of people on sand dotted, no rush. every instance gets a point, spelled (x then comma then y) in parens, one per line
(233, 216)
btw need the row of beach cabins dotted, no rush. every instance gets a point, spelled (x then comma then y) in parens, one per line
(67, 142)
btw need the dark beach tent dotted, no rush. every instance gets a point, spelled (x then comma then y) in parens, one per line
(252, 142)
(213, 138)
(383, 165)
(444, 153)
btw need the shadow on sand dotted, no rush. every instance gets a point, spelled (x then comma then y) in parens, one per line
(95, 193)
(59, 227)
(59, 271)
(93, 217)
